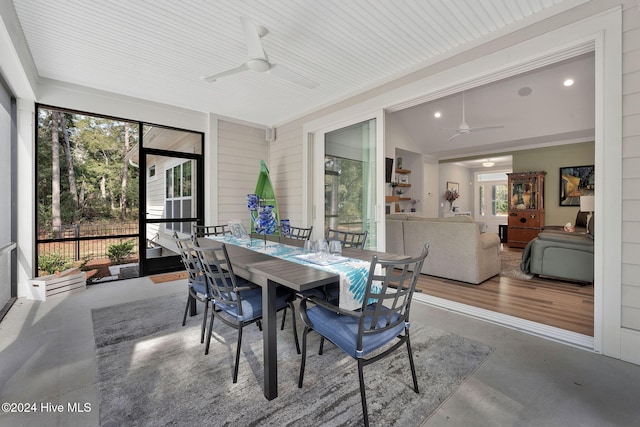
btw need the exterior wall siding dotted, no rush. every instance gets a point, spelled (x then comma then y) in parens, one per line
(240, 149)
(287, 169)
(630, 296)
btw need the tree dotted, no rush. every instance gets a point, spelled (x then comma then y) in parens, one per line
(56, 221)
(70, 171)
(125, 173)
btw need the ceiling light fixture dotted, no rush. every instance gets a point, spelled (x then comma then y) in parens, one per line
(525, 91)
(488, 164)
(437, 114)
(568, 82)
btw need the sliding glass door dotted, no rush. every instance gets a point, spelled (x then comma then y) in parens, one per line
(347, 187)
(8, 195)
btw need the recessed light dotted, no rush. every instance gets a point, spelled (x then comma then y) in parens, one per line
(568, 82)
(525, 91)
(437, 114)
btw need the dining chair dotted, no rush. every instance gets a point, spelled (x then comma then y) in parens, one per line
(378, 327)
(349, 239)
(196, 281)
(236, 302)
(210, 230)
(300, 233)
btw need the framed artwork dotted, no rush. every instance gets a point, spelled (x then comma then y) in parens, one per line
(453, 186)
(576, 181)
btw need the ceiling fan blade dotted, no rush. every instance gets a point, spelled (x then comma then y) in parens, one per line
(485, 128)
(292, 76)
(214, 77)
(252, 34)
(455, 135)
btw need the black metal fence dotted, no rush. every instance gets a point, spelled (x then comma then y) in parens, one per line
(87, 241)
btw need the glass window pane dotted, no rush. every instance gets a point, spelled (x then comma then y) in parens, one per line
(500, 202)
(481, 200)
(493, 176)
(186, 179)
(186, 213)
(176, 181)
(169, 213)
(168, 184)
(350, 179)
(176, 214)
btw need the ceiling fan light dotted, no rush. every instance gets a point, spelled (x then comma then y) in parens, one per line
(488, 164)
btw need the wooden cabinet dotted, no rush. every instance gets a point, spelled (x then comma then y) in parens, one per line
(526, 207)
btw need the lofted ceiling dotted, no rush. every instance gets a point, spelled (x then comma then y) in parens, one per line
(159, 50)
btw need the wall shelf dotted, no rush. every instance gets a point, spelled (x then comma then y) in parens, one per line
(391, 199)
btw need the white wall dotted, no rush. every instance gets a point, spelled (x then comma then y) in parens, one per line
(240, 149)
(450, 172)
(630, 293)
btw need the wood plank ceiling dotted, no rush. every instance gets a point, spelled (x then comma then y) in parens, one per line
(158, 50)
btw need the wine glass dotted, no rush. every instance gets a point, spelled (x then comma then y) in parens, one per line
(308, 247)
(335, 248)
(323, 248)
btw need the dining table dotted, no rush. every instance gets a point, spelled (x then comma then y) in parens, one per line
(282, 262)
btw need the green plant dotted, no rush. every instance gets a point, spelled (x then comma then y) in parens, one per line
(51, 262)
(119, 251)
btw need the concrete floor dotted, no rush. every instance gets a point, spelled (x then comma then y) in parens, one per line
(47, 358)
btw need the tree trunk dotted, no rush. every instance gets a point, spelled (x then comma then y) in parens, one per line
(125, 174)
(56, 221)
(83, 189)
(72, 175)
(103, 187)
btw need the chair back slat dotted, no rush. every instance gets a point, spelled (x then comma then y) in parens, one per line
(300, 233)
(210, 230)
(348, 239)
(188, 257)
(388, 293)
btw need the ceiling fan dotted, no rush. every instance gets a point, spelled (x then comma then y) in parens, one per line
(464, 128)
(258, 61)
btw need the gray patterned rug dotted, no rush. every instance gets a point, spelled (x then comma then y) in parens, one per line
(152, 372)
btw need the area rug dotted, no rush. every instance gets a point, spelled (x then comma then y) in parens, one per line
(510, 265)
(151, 371)
(168, 277)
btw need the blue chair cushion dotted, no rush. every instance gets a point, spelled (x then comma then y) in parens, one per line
(252, 303)
(199, 286)
(343, 331)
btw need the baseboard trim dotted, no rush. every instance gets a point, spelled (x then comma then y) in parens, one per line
(544, 331)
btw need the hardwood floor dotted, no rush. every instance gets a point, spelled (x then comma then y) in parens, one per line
(565, 305)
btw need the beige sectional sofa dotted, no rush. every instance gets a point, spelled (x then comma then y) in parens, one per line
(457, 249)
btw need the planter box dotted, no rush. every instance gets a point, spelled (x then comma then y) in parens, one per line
(66, 282)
